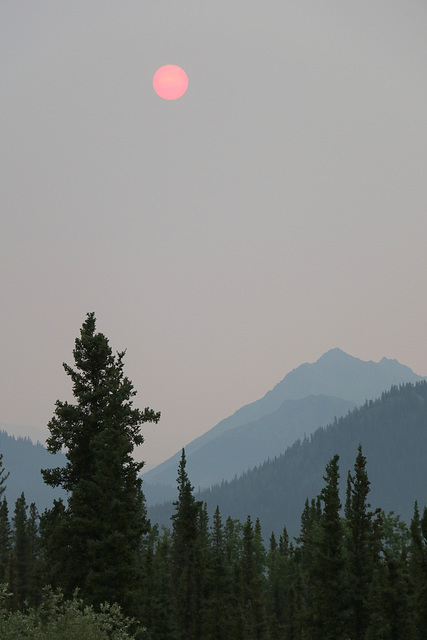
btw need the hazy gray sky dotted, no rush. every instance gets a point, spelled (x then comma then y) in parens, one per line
(277, 210)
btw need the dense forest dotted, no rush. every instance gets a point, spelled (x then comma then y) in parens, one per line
(96, 568)
(352, 574)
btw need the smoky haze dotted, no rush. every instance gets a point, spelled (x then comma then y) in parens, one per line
(277, 210)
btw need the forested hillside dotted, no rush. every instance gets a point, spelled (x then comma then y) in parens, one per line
(393, 433)
(239, 449)
(338, 380)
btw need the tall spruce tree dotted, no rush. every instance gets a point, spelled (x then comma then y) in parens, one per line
(5, 539)
(305, 556)
(329, 579)
(5, 536)
(253, 602)
(186, 556)
(362, 550)
(94, 543)
(21, 551)
(219, 601)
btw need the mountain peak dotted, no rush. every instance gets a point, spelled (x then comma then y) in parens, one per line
(335, 374)
(335, 354)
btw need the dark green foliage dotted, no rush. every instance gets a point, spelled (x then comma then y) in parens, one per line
(418, 574)
(329, 576)
(21, 551)
(186, 523)
(57, 618)
(395, 571)
(313, 590)
(217, 619)
(5, 535)
(23, 566)
(159, 599)
(5, 539)
(95, 544)
(361, 552)
(56, 562)
(253, 565)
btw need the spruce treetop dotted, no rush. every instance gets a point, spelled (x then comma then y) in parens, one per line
(103, 411)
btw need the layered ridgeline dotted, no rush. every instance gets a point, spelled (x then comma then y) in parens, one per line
(393, 433)
(23, 460)
(308, 397)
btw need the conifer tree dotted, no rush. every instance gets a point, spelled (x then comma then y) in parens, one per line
(418, 574)
(391, 579)
(21, 551)
(294, 614)
(362, 550)
(202, 555)
(5, 539)
(159, 606)
(94, 543)
(253, 604)
(5, 536)
(233, 541)
(219, 609)
(305, 558)
(35, 578)
(185, 534)
(328, 600)
(23, 566)
(284, 543)
(279, 585)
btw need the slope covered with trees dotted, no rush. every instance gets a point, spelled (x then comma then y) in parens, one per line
(336, 382)
(393, 433)
(244, 447)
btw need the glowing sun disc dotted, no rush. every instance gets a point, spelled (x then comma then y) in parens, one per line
(170, 82)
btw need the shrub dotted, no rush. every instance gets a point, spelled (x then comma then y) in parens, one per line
(66, 619)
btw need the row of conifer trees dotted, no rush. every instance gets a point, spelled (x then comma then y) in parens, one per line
(358, 574)
(351, 573)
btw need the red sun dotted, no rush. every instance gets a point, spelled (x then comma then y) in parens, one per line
(170, 82)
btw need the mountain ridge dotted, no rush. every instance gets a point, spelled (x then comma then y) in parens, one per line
(393, 433)
(335, 373)
(256, 440)
(23, 460)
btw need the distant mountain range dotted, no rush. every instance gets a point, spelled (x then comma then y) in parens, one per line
(23, 460)
(36, 434)
(393, 433)
(310, 396)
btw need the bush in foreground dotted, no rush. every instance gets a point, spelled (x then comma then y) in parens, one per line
(66, 619)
